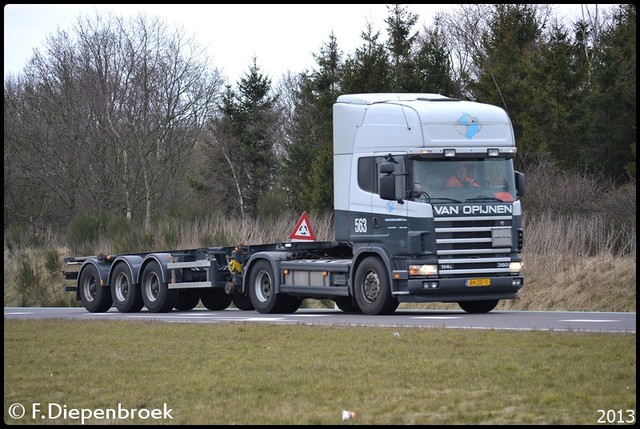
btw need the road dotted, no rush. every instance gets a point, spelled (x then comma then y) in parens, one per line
(495, 320)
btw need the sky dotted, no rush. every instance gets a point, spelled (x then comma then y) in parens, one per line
(281, 37)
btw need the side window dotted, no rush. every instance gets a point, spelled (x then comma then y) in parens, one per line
(367, 176)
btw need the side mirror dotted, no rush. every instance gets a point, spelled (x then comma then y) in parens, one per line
(387, 187)
(519, 183)
(387, 168)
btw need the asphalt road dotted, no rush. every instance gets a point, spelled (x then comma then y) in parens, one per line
(495, 320)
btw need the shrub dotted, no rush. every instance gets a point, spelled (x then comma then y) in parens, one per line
(27, 282)
(83, 232)
(52, 262)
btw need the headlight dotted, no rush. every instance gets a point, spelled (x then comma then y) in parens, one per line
(515, 267)
(423, 270)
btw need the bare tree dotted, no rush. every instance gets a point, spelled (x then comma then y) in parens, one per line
(114, 113)
(157, 93)
(464, 25)
(226, 178)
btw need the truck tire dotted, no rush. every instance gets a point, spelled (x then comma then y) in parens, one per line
(476, 307)
(157, 296)
(261, 289)
(125, 295)
(346, 304)
(95, 298)
(186, 300)
(215, 299)
(373, 289)
(241, 301)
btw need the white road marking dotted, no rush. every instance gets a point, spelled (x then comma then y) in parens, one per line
(311, 315)
(437, 317)
(262, 319)
(208, 317)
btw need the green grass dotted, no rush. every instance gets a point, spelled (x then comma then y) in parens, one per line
(271, 374)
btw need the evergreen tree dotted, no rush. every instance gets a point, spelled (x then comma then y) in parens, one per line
(400, 23)
(368, 70)
(433, 69)
(510, 42)
(552, 118)
(301, 147)
(309, 162)
(612, 98)
(243, 136)
(220, 176)
(255, 125)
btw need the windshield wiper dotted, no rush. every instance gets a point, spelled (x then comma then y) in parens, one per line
(483, 198)
(444, 199)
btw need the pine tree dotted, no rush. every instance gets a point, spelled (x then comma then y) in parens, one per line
(400, 23)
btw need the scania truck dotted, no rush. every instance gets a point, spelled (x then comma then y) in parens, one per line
(406, 229)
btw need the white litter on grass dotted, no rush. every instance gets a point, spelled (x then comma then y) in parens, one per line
(347, 415)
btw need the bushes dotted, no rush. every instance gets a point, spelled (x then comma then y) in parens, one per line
(83, 233)
(90, 234)
(37, 280)
(581, 214)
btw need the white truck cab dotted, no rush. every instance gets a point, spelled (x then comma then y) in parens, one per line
(396, 195)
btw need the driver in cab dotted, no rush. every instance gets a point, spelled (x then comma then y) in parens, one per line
(461, 178)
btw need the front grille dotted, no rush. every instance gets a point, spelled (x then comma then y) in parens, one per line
(465, 246)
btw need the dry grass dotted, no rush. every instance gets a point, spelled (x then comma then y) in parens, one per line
(594, 283)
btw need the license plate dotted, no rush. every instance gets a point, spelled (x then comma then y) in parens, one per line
(478, 282)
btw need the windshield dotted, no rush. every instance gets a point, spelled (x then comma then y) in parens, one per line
(462, 180)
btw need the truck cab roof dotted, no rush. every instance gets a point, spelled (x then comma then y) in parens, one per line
(405, 121)
(386, 97)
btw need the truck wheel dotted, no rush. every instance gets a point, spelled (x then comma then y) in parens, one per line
(186, 300)
(126, 296)
(261, 289)
(346, 304)
(372, 288)
(215, 299)
(157, 296)
(241, 301)
(95, 298)
(478, 306)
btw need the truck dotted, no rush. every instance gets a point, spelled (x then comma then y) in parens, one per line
(404, 230)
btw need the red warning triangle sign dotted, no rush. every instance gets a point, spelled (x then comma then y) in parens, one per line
(302, 230)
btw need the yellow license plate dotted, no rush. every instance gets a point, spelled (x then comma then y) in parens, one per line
(478, 282)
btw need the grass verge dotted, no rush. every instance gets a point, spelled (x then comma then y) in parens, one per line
(256, 374)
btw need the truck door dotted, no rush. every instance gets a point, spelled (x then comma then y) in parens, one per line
(389, 218)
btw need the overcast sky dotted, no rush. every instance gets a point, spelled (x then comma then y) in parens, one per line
(281, 37)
